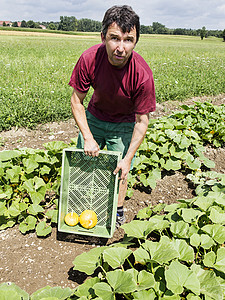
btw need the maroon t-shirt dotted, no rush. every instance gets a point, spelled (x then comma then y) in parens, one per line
(119, 94)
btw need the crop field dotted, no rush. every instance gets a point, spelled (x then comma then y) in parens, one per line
(35, 71)
(172, 244)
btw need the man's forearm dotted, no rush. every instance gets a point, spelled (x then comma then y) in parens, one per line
(90, 145)
(79, 115)
(139, 133)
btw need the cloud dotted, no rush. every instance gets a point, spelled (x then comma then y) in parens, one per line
(176, 13)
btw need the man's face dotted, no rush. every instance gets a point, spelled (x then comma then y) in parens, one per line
(119, 45)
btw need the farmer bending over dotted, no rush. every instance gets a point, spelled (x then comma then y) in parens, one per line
(118, 113)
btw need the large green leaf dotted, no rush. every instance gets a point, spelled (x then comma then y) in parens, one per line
(204, 202)
(180, 229)
(144, 213)
(209, 259)
(141, 256)
(121, 281)
(138, 229)
(103, 290)
(216, 231)
(6, 223)
(36, 188)
(172, 164)
(145, 280)
(159, 223)
(179, 276)
(55, 146)
(208, 163)
(87, 262)
(30, 165)
(14, 209)
(206, 241)
(86, 289)
(7, 294)
(51, 293)
(144, 295)
(9, 154)
(203, 240)
(186, 252)
(28, 224)
(10, 291)
(164, 252)
(220, 260)
(53, 215)
(43, 229)
(193, 165)
(116, 256)
(193, 297)
(13, 174)
(35, 209)
(190, 214)
(209, 285)
(217, 217)
(170, 297)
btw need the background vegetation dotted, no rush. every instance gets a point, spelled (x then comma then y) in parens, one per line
(67, 23)
(35, 72)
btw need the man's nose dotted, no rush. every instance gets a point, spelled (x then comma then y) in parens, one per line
(120, 46)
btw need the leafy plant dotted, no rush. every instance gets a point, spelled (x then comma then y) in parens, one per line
(30, 179)
(179, 254)
(13, 292)
(177, 142)
(29, 183)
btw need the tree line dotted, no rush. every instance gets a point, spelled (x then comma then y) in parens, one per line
(67, 23)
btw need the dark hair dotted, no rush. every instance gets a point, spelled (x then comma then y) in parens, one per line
(124, 17)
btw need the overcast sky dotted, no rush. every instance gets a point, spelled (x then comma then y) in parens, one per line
(173, 14)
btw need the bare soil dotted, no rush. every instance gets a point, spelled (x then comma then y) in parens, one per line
(32, 262)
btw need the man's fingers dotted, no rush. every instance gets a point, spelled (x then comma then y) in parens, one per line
(92, 153)
(116, 171)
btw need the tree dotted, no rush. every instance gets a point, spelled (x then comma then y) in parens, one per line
(223, 35)
(30, 24)
(203, 33)
(89, 25)
(159, 28)
(52, 26)
(146, 29)
(14, 24)
(24, 24)
(68, 23)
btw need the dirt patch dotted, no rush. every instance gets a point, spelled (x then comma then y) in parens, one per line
(32, 262)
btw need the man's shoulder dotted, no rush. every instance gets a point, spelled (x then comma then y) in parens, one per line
(139, 61)
(140, 68)
(93, 51)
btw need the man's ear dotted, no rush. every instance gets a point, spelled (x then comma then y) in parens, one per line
(102, 38)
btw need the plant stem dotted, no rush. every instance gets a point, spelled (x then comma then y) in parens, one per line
(126, 296)
(130, 264)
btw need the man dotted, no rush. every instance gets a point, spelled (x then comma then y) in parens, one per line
(118, 112)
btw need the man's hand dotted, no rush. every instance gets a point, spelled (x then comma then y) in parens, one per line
(124, 166)
(91, 147)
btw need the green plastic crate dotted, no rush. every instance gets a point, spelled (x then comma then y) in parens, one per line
(88, 183)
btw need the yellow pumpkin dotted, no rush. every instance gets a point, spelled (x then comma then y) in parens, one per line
(88, 219)
(71, 219)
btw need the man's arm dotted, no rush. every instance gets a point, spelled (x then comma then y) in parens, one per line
(139, 132)
(90, 145)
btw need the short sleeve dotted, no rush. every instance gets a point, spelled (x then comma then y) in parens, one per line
(80, 79)
(144, 98)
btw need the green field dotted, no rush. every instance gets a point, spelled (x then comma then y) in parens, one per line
(35, 71)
